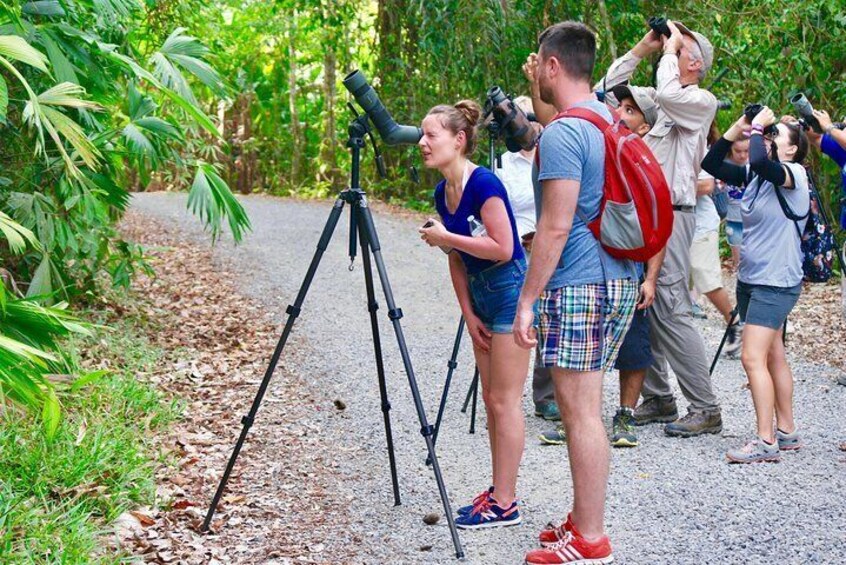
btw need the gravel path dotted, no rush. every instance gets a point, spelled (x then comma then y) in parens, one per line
(669, 500)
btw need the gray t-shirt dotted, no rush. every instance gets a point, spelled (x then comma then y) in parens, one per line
(770, 253)
(573, 149)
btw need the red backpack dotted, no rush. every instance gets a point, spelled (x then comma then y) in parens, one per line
(636, 213)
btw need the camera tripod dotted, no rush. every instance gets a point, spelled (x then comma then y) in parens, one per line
(361, 225)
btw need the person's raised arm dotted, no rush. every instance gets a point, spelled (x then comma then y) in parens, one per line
(689, 108)
(759, 161)
(715, 162)
(838, 135)
(543, 112)
(623, 68)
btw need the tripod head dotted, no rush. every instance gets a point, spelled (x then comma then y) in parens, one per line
(358, 128)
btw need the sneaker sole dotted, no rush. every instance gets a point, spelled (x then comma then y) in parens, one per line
(600, 561)
(768, 459)
(657, 420)
(712, 430)
(790, 448)
(547, 441)
(623, 442)
(489, 525)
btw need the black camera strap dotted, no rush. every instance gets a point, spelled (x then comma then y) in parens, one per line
(785, 205)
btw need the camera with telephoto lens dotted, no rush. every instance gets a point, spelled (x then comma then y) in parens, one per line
(752, 110)
(659, 26)
(806, 112)
(511, 120)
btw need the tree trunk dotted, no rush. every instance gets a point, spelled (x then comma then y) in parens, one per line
(296, 154)
(609, 33)
(328, 154)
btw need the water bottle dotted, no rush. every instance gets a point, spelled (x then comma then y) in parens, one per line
(477, 228)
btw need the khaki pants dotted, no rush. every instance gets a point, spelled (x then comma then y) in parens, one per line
(676, 343)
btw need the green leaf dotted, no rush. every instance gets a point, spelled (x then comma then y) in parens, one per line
(74, 134)
(4, 99)
(42, 280)
(199, 116)
(43, 8)
(159, 127)
(17, 235)
(51, 414)
(16, 48)
(66, 94)
(24, 351)
(87, 379)
(212, 200)
(63, 68)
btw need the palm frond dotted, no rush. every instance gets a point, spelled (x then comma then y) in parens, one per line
(212, 200)
(180, 50)
(16, 48)
(17, 235)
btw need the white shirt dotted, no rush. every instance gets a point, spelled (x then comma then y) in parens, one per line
(707, 218)
(516, 175)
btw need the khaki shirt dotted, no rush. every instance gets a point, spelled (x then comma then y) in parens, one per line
(679, 137)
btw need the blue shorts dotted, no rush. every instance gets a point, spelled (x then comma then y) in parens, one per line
(734, 233)
(494, 293)
(767, 306)
(636, 352)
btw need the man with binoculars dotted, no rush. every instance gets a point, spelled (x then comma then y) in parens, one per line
(678, 141)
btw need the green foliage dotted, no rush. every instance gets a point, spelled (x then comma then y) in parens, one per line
(419, 54)
(92, 105)
(57, 497)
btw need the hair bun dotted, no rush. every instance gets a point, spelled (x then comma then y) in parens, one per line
(471, 110)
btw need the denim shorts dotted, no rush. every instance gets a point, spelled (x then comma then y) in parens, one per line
(636, 352)
(767, 306)
(494, 293)
(734, 233)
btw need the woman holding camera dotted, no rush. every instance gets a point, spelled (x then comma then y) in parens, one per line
(769, 277)
(487, 266)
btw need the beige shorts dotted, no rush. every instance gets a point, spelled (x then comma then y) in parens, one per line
(705, 270)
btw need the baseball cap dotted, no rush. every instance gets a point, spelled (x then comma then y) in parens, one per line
(704, 45)
(641, 98)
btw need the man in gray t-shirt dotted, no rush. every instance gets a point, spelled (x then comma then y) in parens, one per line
(583, 315)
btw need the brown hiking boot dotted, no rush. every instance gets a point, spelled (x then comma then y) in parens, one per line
(656, 410)
(696, 423)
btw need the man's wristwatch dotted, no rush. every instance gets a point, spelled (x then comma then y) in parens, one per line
(828, 129)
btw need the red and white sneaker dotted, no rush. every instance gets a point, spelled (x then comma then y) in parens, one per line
(553, 534)
(573, 549)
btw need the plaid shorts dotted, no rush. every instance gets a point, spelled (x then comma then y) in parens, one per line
(581, 328)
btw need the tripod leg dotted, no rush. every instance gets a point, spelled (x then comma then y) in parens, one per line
(469, 396)
(293, 312)
(372, 307)
(475, 386)
(395, 314)
(451, 365)
(732, 318)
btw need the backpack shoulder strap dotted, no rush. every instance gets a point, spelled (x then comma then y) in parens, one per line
(588, 115)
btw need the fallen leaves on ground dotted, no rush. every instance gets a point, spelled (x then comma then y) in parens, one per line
(281, 501)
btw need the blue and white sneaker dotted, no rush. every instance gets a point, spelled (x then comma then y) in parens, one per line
(487, 514)
(465, 510)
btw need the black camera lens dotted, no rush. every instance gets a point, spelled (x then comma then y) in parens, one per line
(659, 26)
(752, 110)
